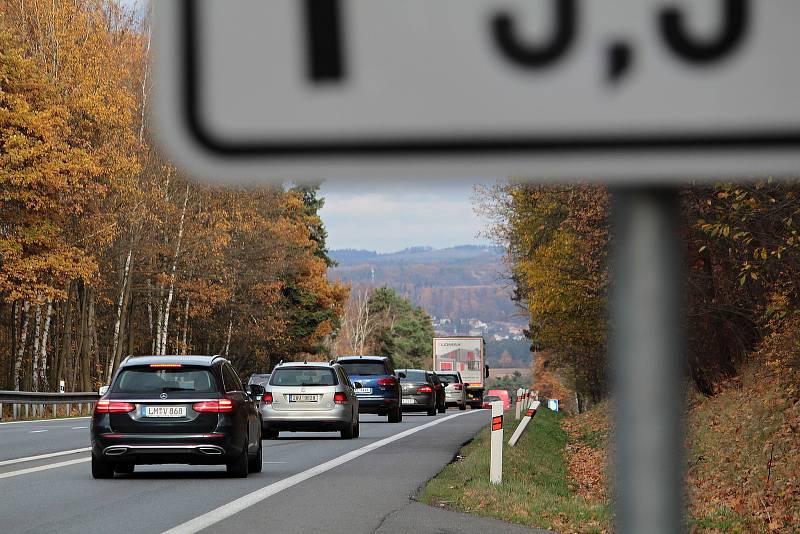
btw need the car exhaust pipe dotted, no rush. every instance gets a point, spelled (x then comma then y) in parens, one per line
(116, 451)
(210, 450)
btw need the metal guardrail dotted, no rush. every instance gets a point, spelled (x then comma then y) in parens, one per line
(32, 402)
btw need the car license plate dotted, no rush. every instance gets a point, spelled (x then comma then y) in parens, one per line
(364, 391)
(408, 401)
(302, 398)
(164, 411)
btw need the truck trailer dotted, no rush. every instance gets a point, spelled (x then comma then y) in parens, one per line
(466, 355)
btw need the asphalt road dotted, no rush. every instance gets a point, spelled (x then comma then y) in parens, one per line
(310, 483)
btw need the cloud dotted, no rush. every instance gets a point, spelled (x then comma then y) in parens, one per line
(391, 219)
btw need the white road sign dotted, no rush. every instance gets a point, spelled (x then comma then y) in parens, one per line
(619, 90)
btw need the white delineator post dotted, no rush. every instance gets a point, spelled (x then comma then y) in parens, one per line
(518, 407)
(496, 460)
(524, 423)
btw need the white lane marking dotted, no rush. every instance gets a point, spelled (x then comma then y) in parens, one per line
(43, 456)
(76, 427)
(227, 510)
(42, 468)
(36, 431)
(60, 419)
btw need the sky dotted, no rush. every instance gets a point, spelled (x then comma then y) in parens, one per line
(388, 218)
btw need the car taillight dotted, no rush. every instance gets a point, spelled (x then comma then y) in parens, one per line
(391, 381)
(267, 398)
(339, 398)
(107, 406)
(458, 387)
(424, 389)
(214, 406)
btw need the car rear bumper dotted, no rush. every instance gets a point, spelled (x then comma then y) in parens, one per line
(379, 405)
(421, 402)
(208, 449)
(337, 418)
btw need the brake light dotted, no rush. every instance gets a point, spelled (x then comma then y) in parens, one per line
(267, 398)
(107, 406)
(391, 381)
(339, 398)
(165, 365)
(424, 389)
(214, 406)
(458, 387)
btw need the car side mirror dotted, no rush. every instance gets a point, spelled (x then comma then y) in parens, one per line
(103, 390)
(256, 390)
(357, 385)
(485, 371)
(401, 375)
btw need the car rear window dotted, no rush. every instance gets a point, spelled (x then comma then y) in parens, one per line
(415, 376)
(491, 398)
(303, 376)
(258, 379)
(449, 378)
(147, 379)
(365, 368)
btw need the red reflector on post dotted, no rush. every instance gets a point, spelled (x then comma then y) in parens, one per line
(108, 406)
(497, 423)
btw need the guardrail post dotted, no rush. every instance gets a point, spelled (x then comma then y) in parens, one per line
(69, 409)
(518, 407)
(15, 410)
(496, 460)
(524, 423)
(1, 411)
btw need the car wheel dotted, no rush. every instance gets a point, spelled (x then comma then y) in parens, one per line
(462, 406)
(101, 468)
(255, 463)
(124, 468)
(443, 408)
(347, 433)
(238, 468)
(396, 415)
(357, 430)
(432, 410)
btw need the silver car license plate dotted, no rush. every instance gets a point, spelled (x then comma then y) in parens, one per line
(303, 398)
(363, 391)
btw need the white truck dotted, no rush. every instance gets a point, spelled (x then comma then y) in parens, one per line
(466, 355)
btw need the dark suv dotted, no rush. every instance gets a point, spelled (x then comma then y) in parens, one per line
(380, 390)
(176, 409)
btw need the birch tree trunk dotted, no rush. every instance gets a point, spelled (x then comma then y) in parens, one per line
(35, 358)
(228, 337)
(66, 341)
(21, 348)
(116, 342)
(42, 375)
(171, 292)
(184, 345)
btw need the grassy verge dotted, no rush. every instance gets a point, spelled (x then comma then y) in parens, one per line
(536, 490)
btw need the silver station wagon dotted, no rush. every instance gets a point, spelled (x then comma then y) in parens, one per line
(309, 397)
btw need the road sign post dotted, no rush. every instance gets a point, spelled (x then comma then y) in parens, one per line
(529, 413)
(647, 355)
(496, 453)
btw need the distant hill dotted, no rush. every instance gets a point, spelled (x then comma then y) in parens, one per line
(463, 282)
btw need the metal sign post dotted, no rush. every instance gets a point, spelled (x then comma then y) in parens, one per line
(647, 358)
